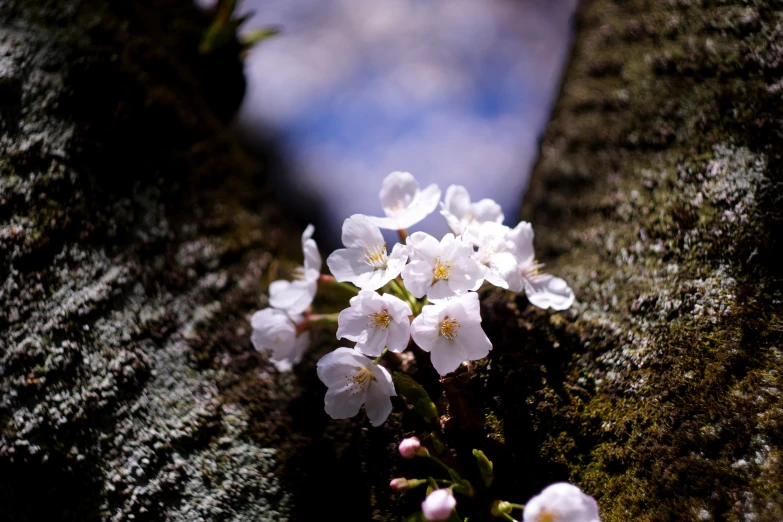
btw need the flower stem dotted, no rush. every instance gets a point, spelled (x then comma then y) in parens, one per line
(330, 280)
(512, 519)
(378, 359)
(403, 233)
(516, 506)
(399, 288)
(321, 318)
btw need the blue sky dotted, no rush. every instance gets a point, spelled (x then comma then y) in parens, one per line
(453, 91)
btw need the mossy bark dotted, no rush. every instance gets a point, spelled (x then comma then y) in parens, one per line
(134, 237)
(658, 196)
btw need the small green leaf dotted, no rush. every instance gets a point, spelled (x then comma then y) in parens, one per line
(416, 517)
(416, 395)
(436, 443)
(485, 467)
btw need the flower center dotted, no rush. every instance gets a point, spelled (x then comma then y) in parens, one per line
(531, 271)
(379, 320)
(442, 269)
(359, 380)
(449, 328)
(375, 255)
(399, 207)
(546, 516)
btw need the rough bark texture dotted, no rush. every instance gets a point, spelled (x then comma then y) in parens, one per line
(658, 196)
(132, 243)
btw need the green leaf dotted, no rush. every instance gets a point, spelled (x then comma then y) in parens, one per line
(416, 395)
(485, 467)
(416, 517)
(436, 443)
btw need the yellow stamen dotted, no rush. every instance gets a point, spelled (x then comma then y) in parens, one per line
(546, 516)
(449, 328)
(375, 255)
(379, 320)
(532, 271)
(359, 381)
(442, 269)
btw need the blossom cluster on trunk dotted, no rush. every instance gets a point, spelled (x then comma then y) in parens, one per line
(421, 288)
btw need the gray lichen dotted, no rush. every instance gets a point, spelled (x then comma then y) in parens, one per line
(106, 410)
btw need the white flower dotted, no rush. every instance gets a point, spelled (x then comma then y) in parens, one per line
(561, 502)
(296, 296)
(403, 203)
(353, 380)
(542, 290)
(275, 331)
(493, 245)
(441, 269)
(460, 213)
(438, 505)
(451, 331)
(374, 322)
(364, 262)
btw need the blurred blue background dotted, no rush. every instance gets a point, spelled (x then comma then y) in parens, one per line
(453, 91)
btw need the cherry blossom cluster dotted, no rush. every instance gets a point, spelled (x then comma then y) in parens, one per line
(421, 288)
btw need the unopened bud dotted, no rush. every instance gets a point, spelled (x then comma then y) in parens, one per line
(438, 505)
(403, 484)
(501, 508)
(410, 447)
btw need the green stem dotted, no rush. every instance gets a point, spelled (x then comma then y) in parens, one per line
(512, 519)
(330, 280)
(443, 465)
(516, 506)
(322, 318)
(399, 289)
(378, 359)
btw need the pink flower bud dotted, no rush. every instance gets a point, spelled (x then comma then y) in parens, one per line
(399, 484)
(438, 505)
(409, 447)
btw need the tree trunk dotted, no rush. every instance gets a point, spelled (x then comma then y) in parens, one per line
(657, 195)
(134, 234)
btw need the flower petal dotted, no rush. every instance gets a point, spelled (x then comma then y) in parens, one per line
(474, 341)
(346, 265)
(424, 328)
(417, 277)
(340, 403)
(547, 291)
(350, 323)
(397, 308)
(333, 366)
(399, 336)
(457, 201)
(446, 356)
(285, 359)
(382, 379)
(312, 257)
(378, 404)
(397, 191)
(360, 232)
(424, 246)
(487, 210)
(292, 296)
(521, 241)
(422, 206)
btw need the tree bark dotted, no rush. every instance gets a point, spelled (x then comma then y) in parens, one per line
(134, 235)
(657, 195)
